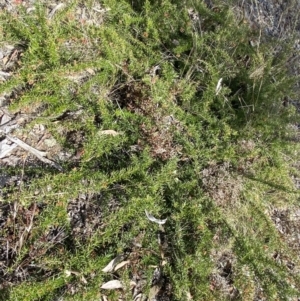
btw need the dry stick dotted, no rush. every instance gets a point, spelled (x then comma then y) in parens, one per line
(7, 251)
(39, 154)
(22, 174)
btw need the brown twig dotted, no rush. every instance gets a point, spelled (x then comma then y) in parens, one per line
(39, 154)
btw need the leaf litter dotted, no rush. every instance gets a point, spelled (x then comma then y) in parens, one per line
(155, 220)
(113, 264)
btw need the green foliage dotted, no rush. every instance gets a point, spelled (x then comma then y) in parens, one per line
(151, 164)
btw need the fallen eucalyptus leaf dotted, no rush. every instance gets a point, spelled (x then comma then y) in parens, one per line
(155, 220)
(68, 273)
(112, 264)
(111, 285)
(108, 132)
(132, 284)
(219, 86)
(120, 265)
(154, 290)
(139, 297)
(90, 71)
(58, 7)
(83, 280)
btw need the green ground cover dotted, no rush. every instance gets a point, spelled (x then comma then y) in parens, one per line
(180, 116)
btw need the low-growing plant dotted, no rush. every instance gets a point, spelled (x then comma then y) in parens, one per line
(163, 106)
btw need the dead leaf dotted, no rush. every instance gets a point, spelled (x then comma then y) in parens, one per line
(155, 220)
(58, 7)
(139, 297)
(111, 285)
(120, 265)
(154, 290)
(112, 264)
(219, 86)
(108, 132)
(5, 60)
(132, 284)
(90, 71)
(68, 273)
(83, 280)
